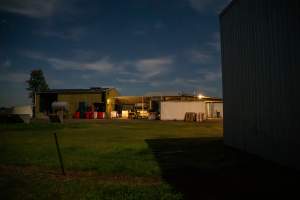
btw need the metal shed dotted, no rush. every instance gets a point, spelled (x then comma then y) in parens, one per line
(260, 65)
(74, 97)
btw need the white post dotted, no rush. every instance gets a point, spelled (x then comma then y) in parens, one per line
(142, 104)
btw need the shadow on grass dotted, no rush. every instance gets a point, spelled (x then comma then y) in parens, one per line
(203, 168)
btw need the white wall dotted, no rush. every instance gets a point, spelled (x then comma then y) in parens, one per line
(175, 110)
(212, 108)
(218, 107)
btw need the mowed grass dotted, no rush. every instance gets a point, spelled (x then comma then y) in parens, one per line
(103, 159)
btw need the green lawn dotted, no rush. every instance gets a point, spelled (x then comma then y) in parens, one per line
(134, 160)
(103, 160)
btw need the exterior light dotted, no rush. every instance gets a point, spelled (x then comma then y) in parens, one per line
(200, 96)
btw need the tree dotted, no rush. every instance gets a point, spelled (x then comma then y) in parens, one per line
(36, 83)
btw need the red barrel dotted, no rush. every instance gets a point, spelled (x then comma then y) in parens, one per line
(91, 115)
(100, 115)
(87, 115)
(76, 115)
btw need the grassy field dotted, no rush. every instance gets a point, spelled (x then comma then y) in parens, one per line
(106, 160)
(129, 160)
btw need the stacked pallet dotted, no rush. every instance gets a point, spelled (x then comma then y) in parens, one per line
(190, 117)
(193, 117)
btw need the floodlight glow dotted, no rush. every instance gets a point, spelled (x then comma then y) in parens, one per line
(200, 96)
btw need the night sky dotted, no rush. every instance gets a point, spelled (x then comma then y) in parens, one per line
(136, 46)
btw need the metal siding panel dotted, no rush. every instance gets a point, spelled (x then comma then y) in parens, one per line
(260, 61)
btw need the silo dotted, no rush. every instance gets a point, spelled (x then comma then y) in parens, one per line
(260, 66)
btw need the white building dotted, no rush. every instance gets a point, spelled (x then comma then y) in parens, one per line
(176, 110)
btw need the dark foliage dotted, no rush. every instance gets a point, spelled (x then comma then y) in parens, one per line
(36, 83)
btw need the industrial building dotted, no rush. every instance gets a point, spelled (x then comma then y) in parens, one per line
(169, 106)
(78, 100)
(176, 110)
(260, 65)
(88, 103)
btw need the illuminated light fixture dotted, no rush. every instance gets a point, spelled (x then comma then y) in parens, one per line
(200, 96)
(108, 101)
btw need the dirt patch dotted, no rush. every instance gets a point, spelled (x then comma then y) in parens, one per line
(56, 175)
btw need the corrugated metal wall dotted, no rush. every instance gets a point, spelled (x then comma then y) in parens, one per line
(260, 65)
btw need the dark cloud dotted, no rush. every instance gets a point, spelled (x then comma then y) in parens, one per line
(31, 8)
(135, 45)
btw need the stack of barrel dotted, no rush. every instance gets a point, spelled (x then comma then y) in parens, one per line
(88, 112)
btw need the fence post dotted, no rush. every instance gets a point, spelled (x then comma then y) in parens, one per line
(59, 155)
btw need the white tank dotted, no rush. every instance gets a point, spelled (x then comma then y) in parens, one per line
(60, 105)
(22, 110)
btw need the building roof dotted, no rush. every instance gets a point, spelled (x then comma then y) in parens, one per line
(232, 2)
(166, 94)
(180, 94)
(93, 90)
(204, 98)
